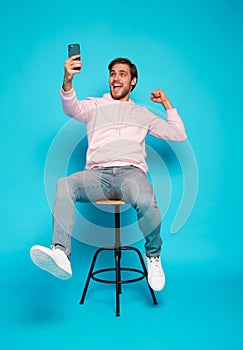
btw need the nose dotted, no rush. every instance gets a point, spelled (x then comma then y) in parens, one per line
(115, 78)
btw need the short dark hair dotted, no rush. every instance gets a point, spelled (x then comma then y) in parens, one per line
(133, 68)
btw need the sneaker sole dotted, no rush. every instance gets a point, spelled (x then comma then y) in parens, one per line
(47, 263)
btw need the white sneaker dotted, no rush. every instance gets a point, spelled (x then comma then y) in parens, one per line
(54, 261)
(156, 276)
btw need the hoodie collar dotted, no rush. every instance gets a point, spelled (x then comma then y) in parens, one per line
(108, 97)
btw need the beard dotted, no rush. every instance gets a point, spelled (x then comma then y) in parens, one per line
(123, 92)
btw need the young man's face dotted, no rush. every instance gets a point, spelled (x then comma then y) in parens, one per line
(120, 82)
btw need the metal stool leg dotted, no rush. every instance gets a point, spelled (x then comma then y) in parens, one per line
(117, 244)
(118, 280)
(90, 275)
(117, 258)
(146, 274)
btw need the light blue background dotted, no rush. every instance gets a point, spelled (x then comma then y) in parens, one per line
(194, 52)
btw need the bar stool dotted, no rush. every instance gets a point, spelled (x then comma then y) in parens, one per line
(117, 249)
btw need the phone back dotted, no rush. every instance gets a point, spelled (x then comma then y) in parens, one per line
(73, 49)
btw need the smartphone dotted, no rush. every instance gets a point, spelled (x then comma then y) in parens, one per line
(74, 49)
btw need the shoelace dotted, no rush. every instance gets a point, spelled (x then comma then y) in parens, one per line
(155, 265)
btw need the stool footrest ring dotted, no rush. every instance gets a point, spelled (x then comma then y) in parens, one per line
(102, 280)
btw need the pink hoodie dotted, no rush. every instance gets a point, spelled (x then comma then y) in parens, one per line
(116, 130)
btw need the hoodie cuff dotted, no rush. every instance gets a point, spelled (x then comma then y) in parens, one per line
(67, 94)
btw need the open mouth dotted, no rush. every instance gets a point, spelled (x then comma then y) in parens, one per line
(117, 87)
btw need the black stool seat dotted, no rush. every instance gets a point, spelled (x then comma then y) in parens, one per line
(117, 249)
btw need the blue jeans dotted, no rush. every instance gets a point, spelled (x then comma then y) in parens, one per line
(127, 183)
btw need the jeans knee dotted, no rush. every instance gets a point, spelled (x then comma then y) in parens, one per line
(64, 188)
(61, 183)
(144, 204)
(147, 206)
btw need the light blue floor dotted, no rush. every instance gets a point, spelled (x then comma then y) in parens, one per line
(199, 308)
(194, 52)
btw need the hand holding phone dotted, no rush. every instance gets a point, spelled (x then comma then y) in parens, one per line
(72, 66)
(73, 50)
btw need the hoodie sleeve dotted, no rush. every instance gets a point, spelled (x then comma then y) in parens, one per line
(172, 130)
(75, 108)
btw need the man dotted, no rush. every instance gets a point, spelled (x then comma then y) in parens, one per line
(115, 164)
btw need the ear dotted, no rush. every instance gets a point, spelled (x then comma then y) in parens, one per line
(134, 81)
